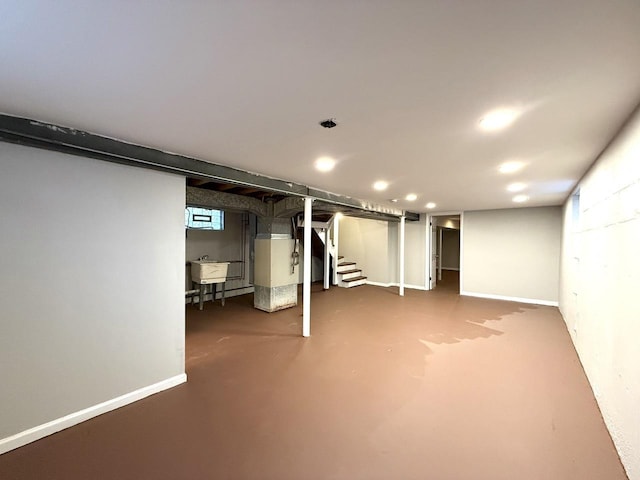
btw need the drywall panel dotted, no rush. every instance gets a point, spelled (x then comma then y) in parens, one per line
(512, 253)
(450, 249)
(414, 253)
(393, 272)
(91, 283)
(600, 276)
(366, 242)
(373, 245)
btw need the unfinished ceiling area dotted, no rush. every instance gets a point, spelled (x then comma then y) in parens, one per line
(246, 83)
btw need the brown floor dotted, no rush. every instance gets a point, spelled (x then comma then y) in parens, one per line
(429, 386)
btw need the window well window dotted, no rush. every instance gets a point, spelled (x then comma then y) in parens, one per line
(203, 218)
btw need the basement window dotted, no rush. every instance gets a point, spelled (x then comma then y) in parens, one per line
(203, 218)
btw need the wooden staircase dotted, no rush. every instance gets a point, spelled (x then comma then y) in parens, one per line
(349, 275)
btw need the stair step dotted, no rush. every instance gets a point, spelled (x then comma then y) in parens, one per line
(345, 266)
(353, 282)
(349, 274)
(345, 272)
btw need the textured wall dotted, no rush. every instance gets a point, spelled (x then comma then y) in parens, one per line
(599, 287)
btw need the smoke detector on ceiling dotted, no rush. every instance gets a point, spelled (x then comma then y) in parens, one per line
(330, 123)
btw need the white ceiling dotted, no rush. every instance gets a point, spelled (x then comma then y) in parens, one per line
(245, 83)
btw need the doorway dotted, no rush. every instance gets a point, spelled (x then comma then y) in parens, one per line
(445, 251)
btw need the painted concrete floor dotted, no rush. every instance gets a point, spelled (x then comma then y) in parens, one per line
(428, 386)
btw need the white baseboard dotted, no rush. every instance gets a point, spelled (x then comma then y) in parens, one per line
(380, 284)
(41, 431)
(533, 301)
(394, 284)
(414, 287)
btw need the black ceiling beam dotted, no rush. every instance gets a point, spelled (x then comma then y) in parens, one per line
(69, 140)
(47, 136)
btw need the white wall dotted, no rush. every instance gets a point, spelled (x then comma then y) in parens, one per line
(599, 287)
(512, 253)
(91, 284)
(393, 270)
(414, 253)
(366, 242)
(373, 245)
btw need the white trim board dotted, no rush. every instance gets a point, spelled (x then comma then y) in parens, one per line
(380, 284)
(41, 431)
(396, 284)
(534, 301)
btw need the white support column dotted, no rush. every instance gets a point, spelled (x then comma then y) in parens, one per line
(327, 258)
(336, 235)
(306, 279)
(401, 246)
(427, 252)
(440, 256)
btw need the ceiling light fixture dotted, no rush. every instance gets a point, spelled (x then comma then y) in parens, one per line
(325, 164)
(380, 185)
(510, 167)
(516, 187)
(430, 205)
(498, 119)
(411, 197)
(393, 200)
(520, 198)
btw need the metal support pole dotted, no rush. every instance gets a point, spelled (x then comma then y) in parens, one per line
(336, 234)
(327, 258)
(306, 282)
(402, 219)
(440, 256)
(427, 251)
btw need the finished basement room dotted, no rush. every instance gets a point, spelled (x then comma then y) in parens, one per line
(315, 240)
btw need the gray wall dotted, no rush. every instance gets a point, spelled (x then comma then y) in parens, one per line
(450, 249)
(91, 283)
(600, 277)
(512, 253)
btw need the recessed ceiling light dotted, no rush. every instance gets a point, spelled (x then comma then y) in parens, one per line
(411, 197)
(516, 187)
(498, 119)
(510, 167)
(520, 198)
(430, 205)
(325, 164)
(394, 200)
(380, 185)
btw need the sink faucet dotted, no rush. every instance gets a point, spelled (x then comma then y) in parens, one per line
(204, 257)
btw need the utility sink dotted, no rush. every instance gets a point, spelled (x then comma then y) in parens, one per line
(205, 272)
